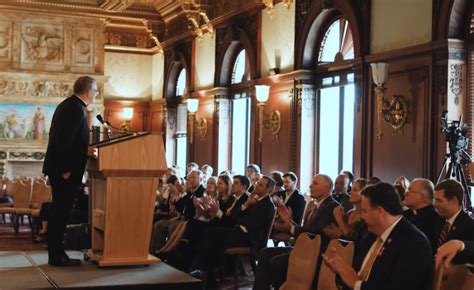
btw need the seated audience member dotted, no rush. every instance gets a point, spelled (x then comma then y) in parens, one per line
(184, 210)
(277, 176)
(4, 198)
(454, 248)
(373, 180)
(166, 197)
(273, 262)
(350, 226)
(182, 256)
(191, 167)
(399, 255)
(207, 170)
(457, 224)
(402, 181)
(228, 218)
(421, 212)
(351, 179)
(340, 192)
(255, 178)
(291, 197)
(251, 230)
(251, 170)
(211, 187)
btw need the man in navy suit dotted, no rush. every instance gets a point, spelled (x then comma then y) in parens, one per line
(457, 223)
(291, 196)
(399, 254)
(65, 163)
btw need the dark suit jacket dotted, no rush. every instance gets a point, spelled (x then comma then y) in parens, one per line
(428, 221)
(229, 221)
(186, 206)
(468, 253)
(405, 261)
(462, 229)
(343, 200)
(68, 139)
(257, 219)
(324, 217)
(296, 202)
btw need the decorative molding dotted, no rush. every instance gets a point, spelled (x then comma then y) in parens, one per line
(456, 80)
(272, 122)
(15, 88)
(201, 128)
(26, 156)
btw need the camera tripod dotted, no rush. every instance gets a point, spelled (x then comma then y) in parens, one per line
(455, 170)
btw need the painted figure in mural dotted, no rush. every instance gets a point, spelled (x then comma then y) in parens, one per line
(13, 129)
(38, 124)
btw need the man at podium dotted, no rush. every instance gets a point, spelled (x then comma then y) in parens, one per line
(65, 163)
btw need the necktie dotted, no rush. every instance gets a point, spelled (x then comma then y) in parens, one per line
(444, 234)
(311, 216)
(229, 210)
(364, 272)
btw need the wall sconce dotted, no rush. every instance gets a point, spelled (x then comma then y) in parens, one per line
(393, 112)
(262, 92)
(272, 122)
(287, 3)
(127, 115)
(193, 105)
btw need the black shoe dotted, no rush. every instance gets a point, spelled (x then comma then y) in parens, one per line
(64, 261)
(196, 274)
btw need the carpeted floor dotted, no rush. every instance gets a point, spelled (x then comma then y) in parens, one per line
(9, 241)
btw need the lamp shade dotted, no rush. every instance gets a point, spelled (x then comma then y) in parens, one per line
(379, 72)
(127, 113)
(193, 105)
(262, 93)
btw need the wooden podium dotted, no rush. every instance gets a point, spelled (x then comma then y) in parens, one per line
(124, 180)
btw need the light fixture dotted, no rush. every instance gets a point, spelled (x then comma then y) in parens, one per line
(193, 105)
(287, 3)
(379, 76)
(127, 113)
(262, 92)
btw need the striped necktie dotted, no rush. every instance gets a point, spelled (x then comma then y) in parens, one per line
(444, 234)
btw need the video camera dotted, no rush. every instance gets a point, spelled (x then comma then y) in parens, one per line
(455, 133)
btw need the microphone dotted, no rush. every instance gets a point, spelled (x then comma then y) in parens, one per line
(105, 124)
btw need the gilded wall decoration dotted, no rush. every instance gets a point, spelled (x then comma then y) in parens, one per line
(42, 43)
(83, 47)
(20, 89)
(5, 41)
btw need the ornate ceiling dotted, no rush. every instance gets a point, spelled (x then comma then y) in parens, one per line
(135, 23)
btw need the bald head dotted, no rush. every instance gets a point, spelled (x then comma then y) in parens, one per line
(321, 186)
(419, 194)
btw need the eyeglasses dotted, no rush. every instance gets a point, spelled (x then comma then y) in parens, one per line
(95, 91)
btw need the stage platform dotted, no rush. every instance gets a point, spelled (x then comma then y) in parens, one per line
(23, 270)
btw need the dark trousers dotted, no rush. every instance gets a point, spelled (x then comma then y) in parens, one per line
(272, 268)
(64, 192)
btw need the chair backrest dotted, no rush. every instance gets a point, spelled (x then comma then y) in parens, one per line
(302, 263)
(22, 196)
(460, 278)
(12, 187)
(327, 278)
(40, 194)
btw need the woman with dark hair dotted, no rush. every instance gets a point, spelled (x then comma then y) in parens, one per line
(278, 177)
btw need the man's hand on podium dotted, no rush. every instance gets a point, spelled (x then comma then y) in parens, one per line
(93, 152)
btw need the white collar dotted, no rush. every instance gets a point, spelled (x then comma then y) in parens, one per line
(453, 218)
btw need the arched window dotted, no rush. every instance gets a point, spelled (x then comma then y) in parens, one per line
(336, 102)
(181, 83)
(337, 43)
(239, 69)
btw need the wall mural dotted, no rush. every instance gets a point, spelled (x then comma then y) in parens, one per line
(25, 122)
